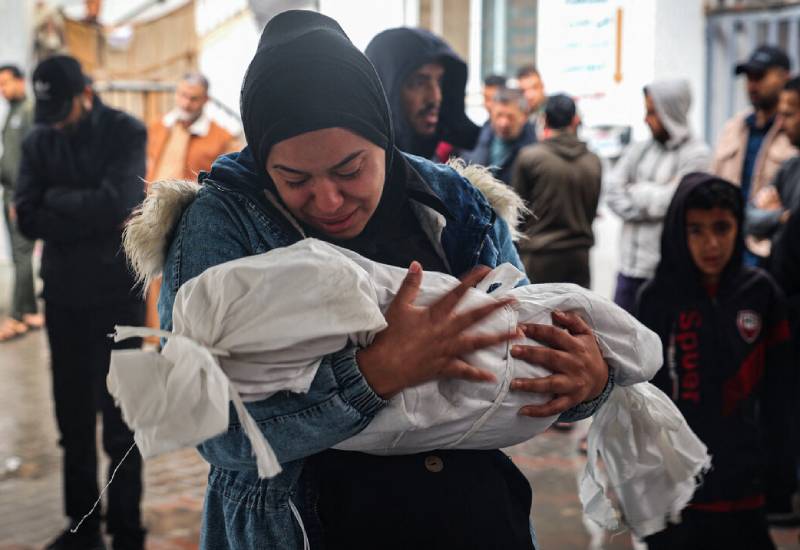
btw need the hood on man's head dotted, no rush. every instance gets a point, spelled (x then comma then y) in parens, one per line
(306, 75)
(676, 267)
(396, 53)
(672, 99)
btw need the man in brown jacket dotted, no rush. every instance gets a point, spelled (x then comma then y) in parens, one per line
(752, 145)
(186, 141)
(180, 145)
(560, 180)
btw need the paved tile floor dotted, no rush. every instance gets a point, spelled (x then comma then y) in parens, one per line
(30, 489)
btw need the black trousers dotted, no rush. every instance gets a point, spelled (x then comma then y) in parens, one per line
(700, 530)
(80, 352)
(444, 499)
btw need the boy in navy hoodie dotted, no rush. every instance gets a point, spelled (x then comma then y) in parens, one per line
(727, 366)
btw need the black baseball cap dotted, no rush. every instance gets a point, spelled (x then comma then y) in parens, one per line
(763, 58)
(56, 82)
(559, 111)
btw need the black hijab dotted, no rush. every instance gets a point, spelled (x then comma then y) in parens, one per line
(306, 75)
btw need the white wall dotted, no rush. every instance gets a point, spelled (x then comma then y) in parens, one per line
(226, 51)
(577, 54)
(363, 19)
(681, 50)
(228, 39)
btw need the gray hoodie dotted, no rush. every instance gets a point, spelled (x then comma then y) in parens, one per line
(642, 182)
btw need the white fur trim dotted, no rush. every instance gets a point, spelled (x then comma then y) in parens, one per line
(506, 202)
(146, 234)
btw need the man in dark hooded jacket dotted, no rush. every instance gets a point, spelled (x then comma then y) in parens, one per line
(727, 366)
(424, 81)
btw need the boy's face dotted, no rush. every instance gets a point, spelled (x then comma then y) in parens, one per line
(711, 238)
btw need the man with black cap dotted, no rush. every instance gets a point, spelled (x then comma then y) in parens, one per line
(80, 177)
(560, 180)
(752, 145)
(424, 81)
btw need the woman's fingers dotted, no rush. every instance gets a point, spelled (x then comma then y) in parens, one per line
(552, 359)
(551, 336)
(478, 269)
(551, 408)
(571, 321)
(466, 319)
(445, 305)
(409, 289)
(556, 384)
(458, 368)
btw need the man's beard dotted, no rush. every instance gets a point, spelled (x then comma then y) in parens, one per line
(75, 128)
(661, 136)
(765, 103)
(423, 114)
(186, 116)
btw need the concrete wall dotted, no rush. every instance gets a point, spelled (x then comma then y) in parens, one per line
(680, 50)
(363, 19)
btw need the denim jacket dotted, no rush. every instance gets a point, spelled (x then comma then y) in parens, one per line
(232, 216)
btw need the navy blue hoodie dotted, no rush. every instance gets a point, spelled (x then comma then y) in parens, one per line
(727, 365)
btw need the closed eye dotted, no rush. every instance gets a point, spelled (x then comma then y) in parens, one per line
(296, 183)
(350, 175)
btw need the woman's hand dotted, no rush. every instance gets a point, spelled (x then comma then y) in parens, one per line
(425, 343)
(579, 371)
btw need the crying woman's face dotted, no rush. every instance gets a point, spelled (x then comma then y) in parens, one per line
(330, 179)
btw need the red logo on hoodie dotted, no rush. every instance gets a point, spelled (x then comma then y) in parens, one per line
(749, 324)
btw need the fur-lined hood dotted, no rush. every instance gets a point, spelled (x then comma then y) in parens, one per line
(147, 233)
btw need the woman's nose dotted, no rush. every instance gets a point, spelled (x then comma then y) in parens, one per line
(327, 196)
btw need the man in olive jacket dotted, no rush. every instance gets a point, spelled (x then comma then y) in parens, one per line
(23, 314)
(560, 180)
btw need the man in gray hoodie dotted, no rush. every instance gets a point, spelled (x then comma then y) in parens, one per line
(641, 184)
(560, 180)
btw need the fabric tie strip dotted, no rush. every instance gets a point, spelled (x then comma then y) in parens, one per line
(179, 398)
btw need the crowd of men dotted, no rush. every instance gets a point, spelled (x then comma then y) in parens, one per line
(68, 182)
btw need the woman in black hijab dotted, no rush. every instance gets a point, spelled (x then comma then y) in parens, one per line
(321, 162)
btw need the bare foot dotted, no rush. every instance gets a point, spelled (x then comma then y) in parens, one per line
(33, 320)
(11, 328)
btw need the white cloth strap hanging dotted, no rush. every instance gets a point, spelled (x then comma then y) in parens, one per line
(177, 372)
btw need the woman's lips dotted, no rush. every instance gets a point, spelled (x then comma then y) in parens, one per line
(336, 225)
